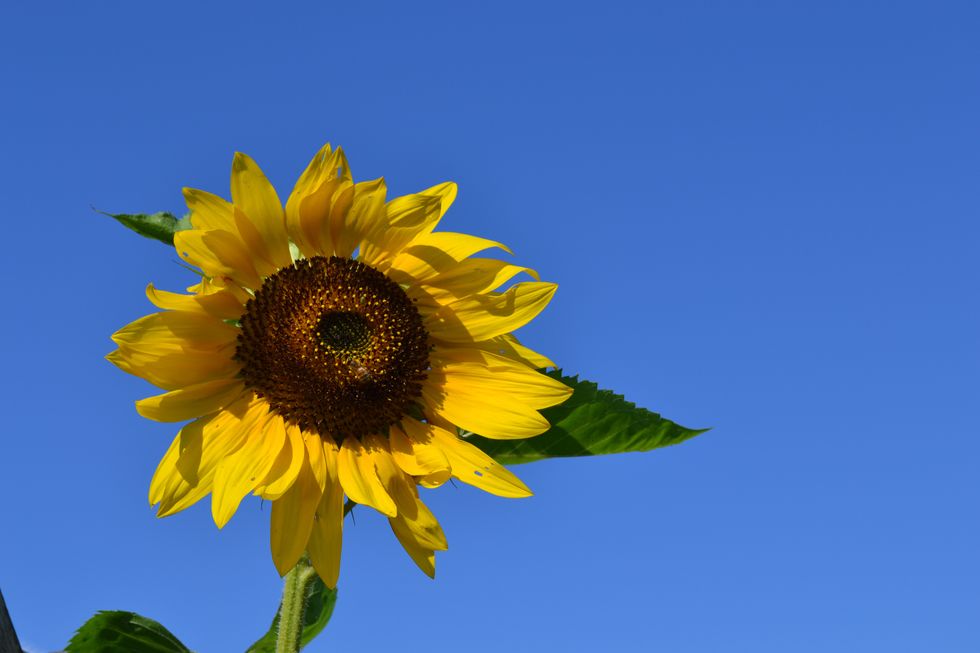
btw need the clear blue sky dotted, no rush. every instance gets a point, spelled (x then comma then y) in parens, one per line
(763, 218)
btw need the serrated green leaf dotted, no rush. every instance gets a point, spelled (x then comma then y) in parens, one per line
(320, 601)
(115, 631)
(158, 226)
(591, 422)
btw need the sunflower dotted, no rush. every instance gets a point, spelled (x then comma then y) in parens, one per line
(335, 347)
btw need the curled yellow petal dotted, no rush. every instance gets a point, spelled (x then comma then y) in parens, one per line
(482, 317)
(407, 218)
(433, 253)
(222, 304)
(471, 276)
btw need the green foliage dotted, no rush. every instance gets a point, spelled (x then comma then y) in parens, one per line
(589, 423)
(320, 601)
(158, 226)
(115, 631)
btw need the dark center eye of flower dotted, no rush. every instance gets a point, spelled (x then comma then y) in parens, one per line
(342, 332)
(334, 346)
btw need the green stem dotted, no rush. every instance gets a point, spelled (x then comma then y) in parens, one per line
(294, 606)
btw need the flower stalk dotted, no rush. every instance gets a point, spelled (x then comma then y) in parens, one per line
(293, 608)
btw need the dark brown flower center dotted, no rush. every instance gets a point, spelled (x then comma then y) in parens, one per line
(334, 346)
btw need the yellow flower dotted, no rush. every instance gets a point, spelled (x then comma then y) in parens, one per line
(335, 347)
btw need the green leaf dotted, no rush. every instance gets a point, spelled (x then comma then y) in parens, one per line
(589, 423)
(115, 631)
(158, 226)
(320, 601)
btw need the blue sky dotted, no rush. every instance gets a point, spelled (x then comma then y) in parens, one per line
(763, 218)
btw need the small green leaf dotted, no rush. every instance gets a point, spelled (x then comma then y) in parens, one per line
(115, 631)
(158, 226)
(589, 423)
(320, 601)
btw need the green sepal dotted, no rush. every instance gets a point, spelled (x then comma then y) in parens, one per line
(320, 601)
(158, 226)
(116, 631)
(591, 422)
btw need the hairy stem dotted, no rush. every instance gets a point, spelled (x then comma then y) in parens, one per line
(294, 606)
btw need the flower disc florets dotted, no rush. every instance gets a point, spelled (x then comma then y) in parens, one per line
(334, 346)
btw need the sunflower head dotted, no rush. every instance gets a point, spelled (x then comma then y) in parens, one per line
(336, 348)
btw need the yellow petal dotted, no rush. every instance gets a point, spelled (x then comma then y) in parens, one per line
(222, 304)
(254, 241)
(392, 478)
(173, 331)
(318, 457)
(401, 488)
(407, 218)
(365, 216)
(254, 195)
(486, 416)
(482, 317)
(489, 394)
(192, 401)
(209, 212)
(360, 478)
(508, 345)
(315, 172)
(424, 525)
(167, 479)
(218, 254)
(325, 540)
(305, 186)
(427, 456)
(309, 206)
(471, 276)
(435, 479)
(472, 466)
(238, 474)
(286, 469)
(412, 513)
(292, 518)
(209, 285)
(405, 458)
(433, 253)
(172, 369)
(483, 369)
(186, 472)
(424, 557)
